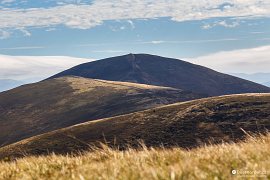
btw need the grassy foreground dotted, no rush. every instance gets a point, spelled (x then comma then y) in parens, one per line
(251, 159)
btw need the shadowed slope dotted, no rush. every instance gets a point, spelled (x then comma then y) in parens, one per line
(189, 124)
(45, 106)
(156, 70)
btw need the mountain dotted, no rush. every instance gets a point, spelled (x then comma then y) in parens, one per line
(6, 84)
(160, 71)
(187, 124)
(56, 103)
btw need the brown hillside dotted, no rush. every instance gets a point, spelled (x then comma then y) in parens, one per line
(189, 124)
(57, 103)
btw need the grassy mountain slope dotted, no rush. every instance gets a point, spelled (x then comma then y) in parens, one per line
(156, 70)
(251, 159)
(48, 105)
(189, 124)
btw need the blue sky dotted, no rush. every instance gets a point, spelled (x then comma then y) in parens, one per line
(157, 31)
(158, 36)
(208, 32)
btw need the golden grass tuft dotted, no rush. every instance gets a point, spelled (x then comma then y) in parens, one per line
(208, 162)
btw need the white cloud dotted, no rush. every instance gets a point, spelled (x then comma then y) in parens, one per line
(229, 25)
(25, 32)
(86, 16)
(207, 26)
(4, 34)
(132, 25)
(7, 1)
(221, 23)
(50, 29)
(158, 42)
(252, 60)
(35, 68)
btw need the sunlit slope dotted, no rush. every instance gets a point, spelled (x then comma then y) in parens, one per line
(52, 104)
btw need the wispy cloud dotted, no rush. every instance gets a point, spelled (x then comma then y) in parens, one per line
(25, 32)
(131, 23)
(190, 41)
(156, 42)
(22, 48)
(257, 32)
(50, 29)
(223, 23)
(85, 16)
(7, 1)
(159, 42)
(4, 34)
(109, 51)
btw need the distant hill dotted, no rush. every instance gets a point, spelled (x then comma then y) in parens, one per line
(6, 84)
(188, 124)
(161, 71)
(48, 105)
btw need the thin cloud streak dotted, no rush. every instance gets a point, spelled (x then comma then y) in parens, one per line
(23, 48)
(158, 42)
(109, 51)
(191, 41)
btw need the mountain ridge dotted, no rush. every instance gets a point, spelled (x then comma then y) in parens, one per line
(161, 71)
(56, 103)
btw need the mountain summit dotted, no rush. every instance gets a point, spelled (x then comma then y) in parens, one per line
(161, 71)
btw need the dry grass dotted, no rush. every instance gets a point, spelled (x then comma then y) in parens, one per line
(209, 162)
(82, 85)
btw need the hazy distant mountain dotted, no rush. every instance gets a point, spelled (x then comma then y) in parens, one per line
(49, 105)
(262, 78)
(189, 124)
(161, 71)
(6, 84)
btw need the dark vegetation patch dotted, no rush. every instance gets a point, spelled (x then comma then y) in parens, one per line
(186, 125)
